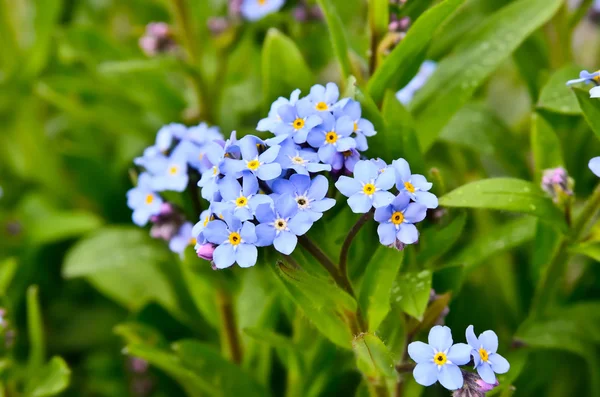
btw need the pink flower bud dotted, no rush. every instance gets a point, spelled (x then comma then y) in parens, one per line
(485, 387)
(205, 251)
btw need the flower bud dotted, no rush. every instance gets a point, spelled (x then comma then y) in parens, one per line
(158, 39)
(205, 251)
(556, 182)
(167, 222)
(473, 386)
(217, 25)
(397, 245)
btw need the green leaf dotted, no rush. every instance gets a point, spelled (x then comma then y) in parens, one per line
(338, 36)
(591, 250)
(404, 60)
(45, 17)
(62, 225)
(50, 380)
(369, 108)
(283, 67)
(8, 267)
(376, 286)
(373, 358)
(532, 60)
(437, 242)
(35, 328)
(556, 96)
(502, 238)
(473, 61)
(411, 293)
(590, 108)
(379, 17)
(506, 194)
(546, 147)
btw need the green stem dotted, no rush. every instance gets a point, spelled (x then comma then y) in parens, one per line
(229, 335)
(348, 242)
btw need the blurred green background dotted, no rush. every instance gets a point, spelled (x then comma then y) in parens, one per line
(79, 100)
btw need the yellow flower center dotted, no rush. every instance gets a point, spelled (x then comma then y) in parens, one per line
(206, 220)
(322, 106)
(253, 165)
(298, 123)
(597, 78)
(483, 354)
(297, 160)
(369, 189)
(215, 170)
(409, 186)
(193, 241)
(235, 238)
(173, 170)
(149, 198)
(280, 224)
(440, 358)
(241, 201)
(355, 126)
(262, 2)
(397, 218)
(331, 137)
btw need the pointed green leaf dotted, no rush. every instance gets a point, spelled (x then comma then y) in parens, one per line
(506, 194)
(404, 60)
(411, 293)
(437, 241)
(373, 358)
(50, 380)
(283, 67)
(35, 327)
(473, 61)
(590, 108)
(546, 147)
(338, 36)
(556, 96)
(8, 267)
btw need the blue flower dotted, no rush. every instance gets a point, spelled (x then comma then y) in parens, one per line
(406, 94)
(166, 134)
(253, 10)
(143, 200)
(281, 223)
(362, 128)
(331, 137)
(309, 195)
(202, 134)
(368, 188)
(483, 350)
(235, 239)
(586, 77)
(242, 202)
(172, 173)
(297, 121)
(439, 360)
(198, 229)
(594, 166)
(215, 154)
(324, 98)
(300, 160)
(414, 184)
(396, 221)
(273, 120)
(262, 166)
(153, 160)
(182, 239)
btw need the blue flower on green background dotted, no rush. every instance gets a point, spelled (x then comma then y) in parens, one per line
(415, 185)
(586, 77)
(297, 121)
(309, 194)
(300, 160)
(143, 200)
(273, 120)
(235, 239)
(262, 165)
(396, 221)
(368, 188)
(362, 128)
(332, 136)
(439, 360)
(241, 201)
(173, 173)
(324, 98)
(483, 350)
(253, 10)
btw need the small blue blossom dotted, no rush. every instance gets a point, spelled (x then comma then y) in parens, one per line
(182, 239)
(586, 77)
(331, 137)
(215, 154)
(594, 166)
(270, 123)
(198, 229)
(324, 98)
(414, 184)
(253, 10)
(396, 221)
(297, 121)
(300, 160)
(262, 166)
(406, 94)
(483, 350)
(201, 134)
(153, 160)
(172, 174)
(281, 223)
(166, 135)
(241, 201)
(143, 200)
(439, 360)
(368, 188)
(235, 239)
(362, 128)
(309, 194)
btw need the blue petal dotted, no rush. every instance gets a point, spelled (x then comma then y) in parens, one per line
(318, 188)
(428, 199)
(322, 205)
(425, 374)
(264, 213)
(287, 113)
(345, 144)
(365, 171)
(366, 127)
(250, 185)
(460, 354)
(267, 172)
(246, 255)
(224, 256)
(312, 121)
(401, 201)
(408, 233)
(415, 213)
(216, 232)
(594, 165)
(317, 93)
(348, 186)
(386, 179)
(420, 182)
(286, 206)
(381, 199)
(248, 232)
(487, 374)
(301, 183)
(499, 364)
(352, 109)
(305, 109)
(420, 352)
(383, 214)
(269, 155)
(360, 203)
(332, 93)
(402, 170)
(489, 341)
(326, 153)
(259, 199)
(440, 337)
(282, 186)
(387, 233)
(316, 138)
(285, 242)
(231, 167)
(575, 81)
(450, 377)
(300, 223)
(229, 188)
(248, 148)
(344, 126)
(471, 338)
(265, 235)
(595, 92)
(140, 217)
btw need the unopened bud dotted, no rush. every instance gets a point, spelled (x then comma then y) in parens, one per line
(397, 245)
(205, 251)
(473, 386)
(557, 183)
(157, 39)
(167, 222)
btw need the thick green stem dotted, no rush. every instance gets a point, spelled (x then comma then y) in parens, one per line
(229, 334)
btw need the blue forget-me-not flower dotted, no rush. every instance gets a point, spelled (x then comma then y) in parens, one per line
(262, 165)
(236, 241)
(270, 123)
(396, 221)
(332, 137)
(253, 10)
(362, 128)
(587, 78)
(406, 94)
(300, 160)
(309, 194)
(241, 201)
(369, 188)
(414, 184)
(143, 200)
(483, 350)
(324, 98)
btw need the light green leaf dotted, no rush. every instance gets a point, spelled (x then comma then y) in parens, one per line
(590, 108)
(35, 328)
(373, 358)
(62, 225)
(473, 61)
(379, 17)
(506, 194)
(437, 242)
(45, 17)
(338, 36)
(376, 286)
(8, 267)
(411, 293)
(591, 250)
(50, 380)
(546, 146)
(137, 66)
(404, 60)
(556, 96)
(283, 67)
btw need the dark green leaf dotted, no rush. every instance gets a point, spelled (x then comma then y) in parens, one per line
(8, 267)
(590, 108)
(506, 194)
(372, 357)
(338, 36)
(556, 96)
(49, 380)
(546, 146)
(474, 60)
(411, 293)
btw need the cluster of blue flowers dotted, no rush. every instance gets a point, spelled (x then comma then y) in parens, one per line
(269, 192)
(439, 360)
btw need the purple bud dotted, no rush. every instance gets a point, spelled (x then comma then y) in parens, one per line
(473, 386)
(167, 223)
(300, 13)
(205, 251)
(217, 25)
(157, 39)
(485, 387)
(556, 182)
(398, 245)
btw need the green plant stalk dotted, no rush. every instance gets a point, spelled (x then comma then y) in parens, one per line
(230, 340)
(553, 275)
